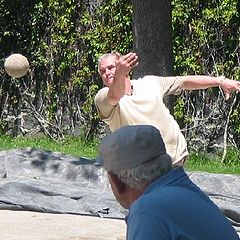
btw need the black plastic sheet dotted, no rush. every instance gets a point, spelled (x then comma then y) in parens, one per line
(32, 179)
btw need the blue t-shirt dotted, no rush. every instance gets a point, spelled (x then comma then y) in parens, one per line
(174, 208)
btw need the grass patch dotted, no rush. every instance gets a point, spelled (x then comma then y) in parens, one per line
(74, 146)
(213, 164)
(77, 146)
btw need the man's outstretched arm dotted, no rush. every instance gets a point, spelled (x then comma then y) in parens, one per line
(195, 82)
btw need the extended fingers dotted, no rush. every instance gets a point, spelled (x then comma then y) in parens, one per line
(234, 86)
(238, 87)
(227, 95)
(130, 60)
(118, 55)
(129, 56)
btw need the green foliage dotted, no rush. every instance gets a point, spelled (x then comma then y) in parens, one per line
(63, 40)
(233, 157)
(212, 32)
(110, 28)
(206, 41)
(199, 161)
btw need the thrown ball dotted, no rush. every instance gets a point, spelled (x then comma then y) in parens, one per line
(16, 65)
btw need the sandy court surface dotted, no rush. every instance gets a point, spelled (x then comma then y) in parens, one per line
(24, 225)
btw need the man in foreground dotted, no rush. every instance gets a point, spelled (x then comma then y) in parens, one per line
(132, 102)
(163, 202)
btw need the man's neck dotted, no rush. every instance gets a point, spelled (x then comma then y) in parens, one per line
(132, 195)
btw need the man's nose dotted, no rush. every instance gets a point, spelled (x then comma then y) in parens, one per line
(108, 71)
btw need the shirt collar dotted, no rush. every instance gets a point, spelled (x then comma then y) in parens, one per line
(167, 179)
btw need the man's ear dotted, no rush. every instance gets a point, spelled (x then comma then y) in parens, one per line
(117, 182)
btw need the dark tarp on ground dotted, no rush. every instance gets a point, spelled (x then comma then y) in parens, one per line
(32, 179)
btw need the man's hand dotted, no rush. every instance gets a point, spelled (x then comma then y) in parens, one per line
(125, 64)
(229, 86)
(121, 82)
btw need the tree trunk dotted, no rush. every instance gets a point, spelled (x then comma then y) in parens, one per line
(152, 38)
(152, 35)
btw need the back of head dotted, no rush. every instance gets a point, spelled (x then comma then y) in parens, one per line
(136, 154)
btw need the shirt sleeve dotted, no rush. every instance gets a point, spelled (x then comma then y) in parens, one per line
(102, 104)
(170, 85)
(142, 226)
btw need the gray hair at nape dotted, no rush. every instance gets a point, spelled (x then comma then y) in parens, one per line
(146, 173)
(104, 56)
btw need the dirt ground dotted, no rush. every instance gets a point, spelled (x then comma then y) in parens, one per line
(19, 225)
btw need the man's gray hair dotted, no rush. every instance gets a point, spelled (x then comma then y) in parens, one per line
(146, 173)
(106, 55)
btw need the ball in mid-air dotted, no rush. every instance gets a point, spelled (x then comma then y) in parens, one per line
(16, 65)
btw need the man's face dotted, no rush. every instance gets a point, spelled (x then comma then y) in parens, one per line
(107, 69)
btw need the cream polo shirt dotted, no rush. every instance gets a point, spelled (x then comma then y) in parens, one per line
(146, 106)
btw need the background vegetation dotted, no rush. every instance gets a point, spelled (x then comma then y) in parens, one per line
(63, 39)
